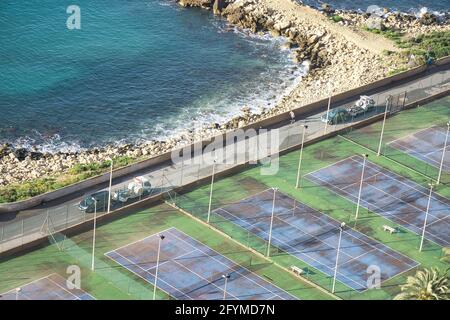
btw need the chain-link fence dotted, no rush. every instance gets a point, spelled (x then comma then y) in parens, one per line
(247, 148)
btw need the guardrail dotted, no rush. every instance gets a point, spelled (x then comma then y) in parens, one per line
(165, 157)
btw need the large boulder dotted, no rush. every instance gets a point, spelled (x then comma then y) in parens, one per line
(375, 23)
(196, 3)
(218, 6)
(428, 19)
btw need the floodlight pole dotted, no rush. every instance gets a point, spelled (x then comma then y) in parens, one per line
(226, 277)
(93, 236)
(365, 156)
(161, 238)
(341, 229)
(211, 191)
(426, 217)
(297, 185)
(443, 154)
(271, 222)
(328, 111)
(382, 127)
(17, 293)
(110, 185)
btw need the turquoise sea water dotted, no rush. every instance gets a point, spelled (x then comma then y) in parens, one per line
(137, 70)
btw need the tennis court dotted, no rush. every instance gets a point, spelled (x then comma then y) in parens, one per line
(51, 287)
(190, 270)
(313, 236)
(389, 195)
(426, 145)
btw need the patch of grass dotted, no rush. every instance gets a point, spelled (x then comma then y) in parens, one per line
(434, 45)
(22, 191)
(398, 70)
(389, 33)
(336, 18)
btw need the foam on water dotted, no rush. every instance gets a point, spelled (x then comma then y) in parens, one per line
(251, 70)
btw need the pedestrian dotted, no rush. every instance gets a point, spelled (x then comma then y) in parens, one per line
(292, 116)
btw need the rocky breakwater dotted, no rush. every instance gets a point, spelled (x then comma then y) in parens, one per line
(384, 19)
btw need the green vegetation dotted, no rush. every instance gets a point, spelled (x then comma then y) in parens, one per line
(336, 18)
(434, 45)
(22, 191)
(398, 70)
(389, 33)
(427, 284)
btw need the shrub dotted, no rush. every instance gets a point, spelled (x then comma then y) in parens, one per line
(336, 18)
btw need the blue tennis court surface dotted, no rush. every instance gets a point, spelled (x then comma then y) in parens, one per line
(426, 145)
(313, 236)
(52, 287)
(389, 195)
(190, 270)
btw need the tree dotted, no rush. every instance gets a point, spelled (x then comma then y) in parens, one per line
(427, 284)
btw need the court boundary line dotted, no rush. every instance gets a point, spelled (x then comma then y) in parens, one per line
(46, 278)
(433, 196)
(193, 249)
(146, 273)
(363, 234)
(349, 198)
(413, 133)
(237, 265)
(320, 217)
(415, 154)
(377, 207)
(295, 251)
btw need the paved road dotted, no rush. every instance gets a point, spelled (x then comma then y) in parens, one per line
(64, 212)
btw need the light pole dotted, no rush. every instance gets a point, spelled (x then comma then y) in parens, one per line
(297, 185)
(211, 191)
(93, 236)
(382, 127)
(328, 111)
(271, 222)
(161, 238)
(226, 277)
(443, 154)
(110, 185)
(426, 217)
(18, 290)
(365, 156)
(341, 229)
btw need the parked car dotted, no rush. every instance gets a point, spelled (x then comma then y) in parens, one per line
(138, 187)
(336, 116)
(87, 203)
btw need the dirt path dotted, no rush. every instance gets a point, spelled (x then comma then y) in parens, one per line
(373, 42)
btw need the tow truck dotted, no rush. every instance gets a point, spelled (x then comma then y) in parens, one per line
(363, 105)
(138, 187)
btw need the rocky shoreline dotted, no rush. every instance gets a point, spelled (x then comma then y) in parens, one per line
(339, 59)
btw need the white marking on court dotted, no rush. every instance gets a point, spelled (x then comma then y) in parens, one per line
(388, 214)
(234, 265)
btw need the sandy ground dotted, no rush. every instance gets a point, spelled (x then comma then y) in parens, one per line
(366, 40)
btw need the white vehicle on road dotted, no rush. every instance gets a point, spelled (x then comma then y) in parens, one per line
(139, 186)
(363, 105)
